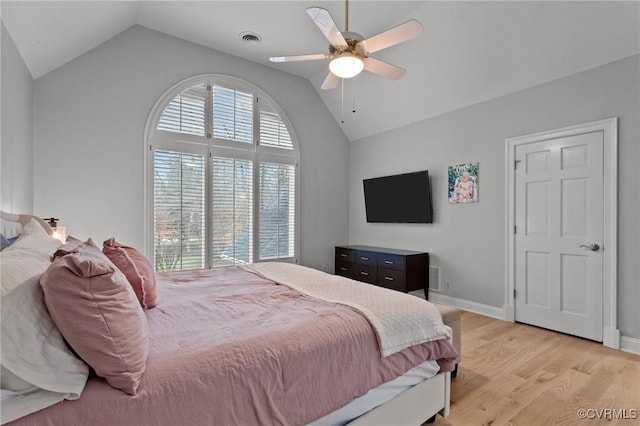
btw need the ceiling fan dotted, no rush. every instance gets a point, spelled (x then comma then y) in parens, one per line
(349, 53)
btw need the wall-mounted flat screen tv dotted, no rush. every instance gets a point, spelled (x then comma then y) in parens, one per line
(404, 198)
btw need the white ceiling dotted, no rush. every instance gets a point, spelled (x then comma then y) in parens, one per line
(470, 51)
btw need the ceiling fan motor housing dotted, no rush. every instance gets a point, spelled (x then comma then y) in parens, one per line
(354, 46)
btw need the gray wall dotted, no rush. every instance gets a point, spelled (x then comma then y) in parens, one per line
(90, 116)
(467, 241)
(17, 130)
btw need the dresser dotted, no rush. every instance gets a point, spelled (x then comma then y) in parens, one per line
(402, 270)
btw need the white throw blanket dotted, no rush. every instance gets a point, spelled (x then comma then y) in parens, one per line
(400, 320)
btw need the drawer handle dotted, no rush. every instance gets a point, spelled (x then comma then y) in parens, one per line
(366, 274)
(388, 278)
(343, 269)
(388, 262)
(364, 258)
(343, 255)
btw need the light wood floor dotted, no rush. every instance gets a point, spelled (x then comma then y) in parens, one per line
(515, 374)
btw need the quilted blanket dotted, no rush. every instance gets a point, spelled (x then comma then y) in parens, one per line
(400, 320)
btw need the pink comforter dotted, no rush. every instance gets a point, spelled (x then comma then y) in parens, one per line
(230, 348)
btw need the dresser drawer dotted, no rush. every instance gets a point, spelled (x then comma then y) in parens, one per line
(391, 278)
(366, 273)
(346, 269)
(345, 255)
(401, 270)
(391, 261)
(367, 258)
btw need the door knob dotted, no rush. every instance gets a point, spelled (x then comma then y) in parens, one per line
(592, 246)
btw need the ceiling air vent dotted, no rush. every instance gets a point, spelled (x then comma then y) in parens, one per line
(249, 37)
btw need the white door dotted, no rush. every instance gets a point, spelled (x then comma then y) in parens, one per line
(559, 234)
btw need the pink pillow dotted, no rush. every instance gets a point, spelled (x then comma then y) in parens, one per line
(98, 313)
(72, 245)
(136, 268)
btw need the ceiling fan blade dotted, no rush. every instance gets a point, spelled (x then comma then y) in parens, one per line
(384, 69)
(296, 58)
(325, 22)
(330, 82)
(395, 35)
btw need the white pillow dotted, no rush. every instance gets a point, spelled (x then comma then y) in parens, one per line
(38, 370)
(30, 255)
(35, 242)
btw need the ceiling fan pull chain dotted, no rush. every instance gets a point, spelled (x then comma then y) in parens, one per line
(353, 92)
(342, 101)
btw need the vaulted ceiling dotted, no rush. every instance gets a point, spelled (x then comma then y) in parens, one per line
(469, 52)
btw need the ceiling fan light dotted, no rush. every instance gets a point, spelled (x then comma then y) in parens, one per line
(346, 65)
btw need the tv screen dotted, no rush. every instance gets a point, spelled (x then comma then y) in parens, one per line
(404, 198)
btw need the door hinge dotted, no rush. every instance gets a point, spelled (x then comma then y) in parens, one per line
(515, 229)
(515, 164)
(208, 135)
(209, 87)
(514, 293)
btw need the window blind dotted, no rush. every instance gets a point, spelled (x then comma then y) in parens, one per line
(277, 211)
(185, 112)
(179, 194)
(231, 211)
(232, 114)
(273, 131)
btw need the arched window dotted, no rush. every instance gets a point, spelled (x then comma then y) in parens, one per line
(223, 177)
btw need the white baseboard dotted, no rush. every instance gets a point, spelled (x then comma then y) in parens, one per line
(612, 336)
(630, 344)
(508, 313)
(466, 305)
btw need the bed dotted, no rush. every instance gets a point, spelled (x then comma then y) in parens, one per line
(262, 344)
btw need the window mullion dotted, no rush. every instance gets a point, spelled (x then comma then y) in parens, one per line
(256, 123)
(256, 208)
(233, 207)
(181, 239)
(208, 194)
(256, 180)
(278, 212)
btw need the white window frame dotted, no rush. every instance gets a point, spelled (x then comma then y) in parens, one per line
(212, 147)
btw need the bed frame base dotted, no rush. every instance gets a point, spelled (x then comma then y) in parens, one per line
(413, 406)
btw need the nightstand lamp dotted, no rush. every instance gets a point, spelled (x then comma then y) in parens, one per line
(59, 232)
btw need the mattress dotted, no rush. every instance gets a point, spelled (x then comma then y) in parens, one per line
(230, 347)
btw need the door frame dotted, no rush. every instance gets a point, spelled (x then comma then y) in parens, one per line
(609, 127)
